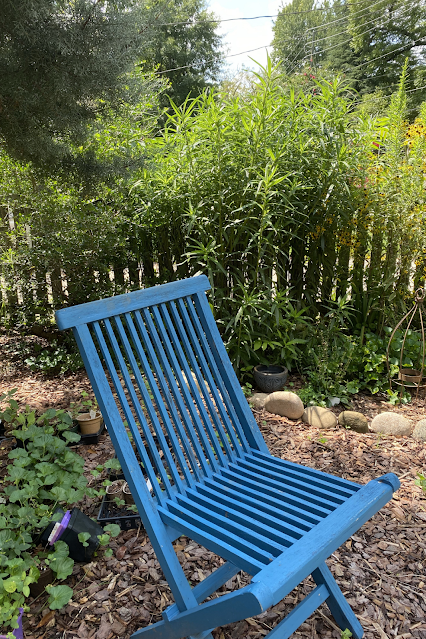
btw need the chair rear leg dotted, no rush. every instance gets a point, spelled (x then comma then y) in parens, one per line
(339, 607)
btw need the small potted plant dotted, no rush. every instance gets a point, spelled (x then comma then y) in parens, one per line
(90, 420)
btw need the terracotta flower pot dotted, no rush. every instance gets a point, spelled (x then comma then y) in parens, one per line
(89, 425)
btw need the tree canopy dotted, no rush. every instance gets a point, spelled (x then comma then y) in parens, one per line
(184, 47)
(63, 63)
(366, 41)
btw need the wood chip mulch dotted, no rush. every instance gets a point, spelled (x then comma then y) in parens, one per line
(381, 569)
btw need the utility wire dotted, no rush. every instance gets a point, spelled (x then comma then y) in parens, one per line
(187, 66)
(326, 24)
(321, 51)
(334, 35)
(393, 51)
(193, 22)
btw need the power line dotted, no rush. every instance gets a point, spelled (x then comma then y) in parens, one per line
(390, 52)
(326, 24)
(347, 16)
(193, 22)
(317, 53)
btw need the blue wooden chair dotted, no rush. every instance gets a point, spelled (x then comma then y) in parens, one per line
(160, 371)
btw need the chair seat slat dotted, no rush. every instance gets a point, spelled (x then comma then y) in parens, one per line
(272, 502)
(312, 472)
(226, 532)
(208, 537)
(270, 477)
(320, 487)
(232, 510)
(247, 530)
(291, 496)
(278, 519)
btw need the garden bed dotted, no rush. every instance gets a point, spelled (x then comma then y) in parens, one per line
(381, 569)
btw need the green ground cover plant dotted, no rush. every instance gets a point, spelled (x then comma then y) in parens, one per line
(43, 474)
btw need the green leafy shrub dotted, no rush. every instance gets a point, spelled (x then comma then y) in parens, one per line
(54, 359)
(264, 329)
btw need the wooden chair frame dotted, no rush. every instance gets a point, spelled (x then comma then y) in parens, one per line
(159, 368)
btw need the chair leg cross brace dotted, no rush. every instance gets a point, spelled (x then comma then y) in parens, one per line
(189, 624)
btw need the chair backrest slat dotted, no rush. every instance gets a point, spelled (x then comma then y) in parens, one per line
(162, 443)
(234, 429)
(198, 411)
(127, 410)
(167, 379)
(222, 425)
(182, 395)
(163, 399)
(250, 435)
(148, 448)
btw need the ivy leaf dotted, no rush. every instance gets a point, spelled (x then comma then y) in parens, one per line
(10, 585)
(59, 596)
(61, 549)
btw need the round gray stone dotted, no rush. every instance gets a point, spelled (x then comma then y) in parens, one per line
(319, 417)
(390, 423)
(353, 420)
(419, 431)
(284, 403)
(257, 400)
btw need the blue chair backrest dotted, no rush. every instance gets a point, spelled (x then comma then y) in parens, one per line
(158, 354)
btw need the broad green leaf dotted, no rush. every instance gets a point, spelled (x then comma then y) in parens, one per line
(59, 596)
(62, 566)
(112, 529)
(71, 437)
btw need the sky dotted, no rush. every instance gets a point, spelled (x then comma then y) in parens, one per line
(243, 35)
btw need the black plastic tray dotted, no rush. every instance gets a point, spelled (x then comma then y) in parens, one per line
(109, 513)
(92, 438)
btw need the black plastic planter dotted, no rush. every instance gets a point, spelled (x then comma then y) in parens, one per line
(46, 578)
(270, 378)
(110, 513)
(92, 438)
(78, 523)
